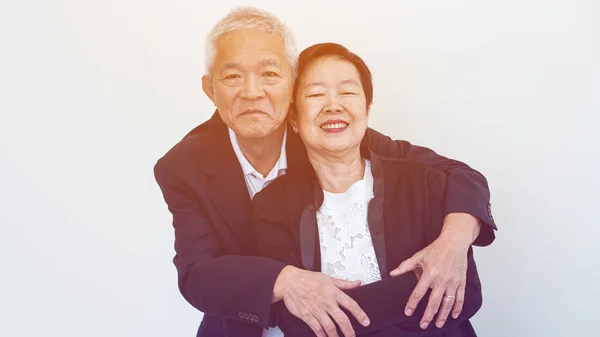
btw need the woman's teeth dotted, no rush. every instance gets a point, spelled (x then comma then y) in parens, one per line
(334, 126)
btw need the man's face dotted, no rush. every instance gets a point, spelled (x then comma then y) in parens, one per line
(251, 82)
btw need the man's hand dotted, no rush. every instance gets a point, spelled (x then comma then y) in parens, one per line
(316, 298)
(442, 266)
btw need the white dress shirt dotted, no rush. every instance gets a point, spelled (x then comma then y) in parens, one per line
(256, 182)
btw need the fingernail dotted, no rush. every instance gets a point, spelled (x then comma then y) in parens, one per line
(455, 316)
(424, 325)
(366, 322)
(408, 312)
(440, 324)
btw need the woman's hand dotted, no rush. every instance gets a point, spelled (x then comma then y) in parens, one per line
(442, 266)
(316, 299)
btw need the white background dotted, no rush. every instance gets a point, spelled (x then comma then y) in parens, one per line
(92, 93)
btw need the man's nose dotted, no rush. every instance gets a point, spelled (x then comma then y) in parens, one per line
(253, 88)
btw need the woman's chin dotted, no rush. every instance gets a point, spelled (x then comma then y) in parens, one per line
(338, 147)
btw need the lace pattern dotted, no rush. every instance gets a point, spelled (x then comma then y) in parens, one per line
(347, 250)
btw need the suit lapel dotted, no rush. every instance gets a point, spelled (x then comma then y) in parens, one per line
(227, 188)
(302, 187)
(308, 235)
(375, 215)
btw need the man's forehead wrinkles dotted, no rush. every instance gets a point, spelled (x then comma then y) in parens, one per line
(239, 65)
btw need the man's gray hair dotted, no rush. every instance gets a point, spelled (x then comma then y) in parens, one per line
(252, 19)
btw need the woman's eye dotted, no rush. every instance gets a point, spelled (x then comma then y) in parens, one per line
(348, 93)
(314, 95)
(270, 74)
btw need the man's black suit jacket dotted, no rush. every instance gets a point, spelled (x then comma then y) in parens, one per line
(218, 273)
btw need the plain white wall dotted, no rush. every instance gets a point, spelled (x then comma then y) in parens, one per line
(92, 93)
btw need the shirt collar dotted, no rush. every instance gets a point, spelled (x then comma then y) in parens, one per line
(248, 169)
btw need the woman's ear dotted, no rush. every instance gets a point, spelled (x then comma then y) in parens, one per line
(292, 118)
(368, 110)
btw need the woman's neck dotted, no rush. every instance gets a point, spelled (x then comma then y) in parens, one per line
(263, 152)
(336, 173)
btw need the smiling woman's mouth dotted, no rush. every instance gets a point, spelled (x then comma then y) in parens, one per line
(334, 126)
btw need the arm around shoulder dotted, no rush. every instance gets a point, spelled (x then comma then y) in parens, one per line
(467, 189)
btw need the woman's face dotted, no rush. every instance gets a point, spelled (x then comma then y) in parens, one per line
(331, 109)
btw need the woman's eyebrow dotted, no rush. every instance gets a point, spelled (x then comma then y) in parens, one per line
(313, 84)
(349, 82)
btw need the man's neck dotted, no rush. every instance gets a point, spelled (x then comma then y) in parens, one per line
(336, 173)
(263, 152)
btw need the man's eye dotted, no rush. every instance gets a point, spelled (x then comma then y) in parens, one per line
(232, 77)
(314, 95)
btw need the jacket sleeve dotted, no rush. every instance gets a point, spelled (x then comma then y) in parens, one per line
(467, 189)
(236, 287)
(384, 302)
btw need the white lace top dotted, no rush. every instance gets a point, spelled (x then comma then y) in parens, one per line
(347, 250)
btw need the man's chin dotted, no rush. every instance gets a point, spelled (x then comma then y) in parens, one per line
(254, 131)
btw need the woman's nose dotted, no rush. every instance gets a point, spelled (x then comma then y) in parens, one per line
(333, 106)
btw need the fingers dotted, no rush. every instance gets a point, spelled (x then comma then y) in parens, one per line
(317, 300)
(327, 324)
(349, 304)
(345, 285)
(460, 300)
(315, 326)
(432, 306)
(446, 306)
(342, 321)
(406, 266)
(417, 294)
(418, 273)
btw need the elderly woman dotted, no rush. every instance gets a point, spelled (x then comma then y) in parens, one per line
(349, 213)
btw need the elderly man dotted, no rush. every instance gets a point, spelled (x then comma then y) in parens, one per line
(209, 178)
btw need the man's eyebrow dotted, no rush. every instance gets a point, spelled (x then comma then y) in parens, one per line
(230, 65)
(270, 62)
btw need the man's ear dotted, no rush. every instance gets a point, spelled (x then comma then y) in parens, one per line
(208, 89)
(291, 117)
